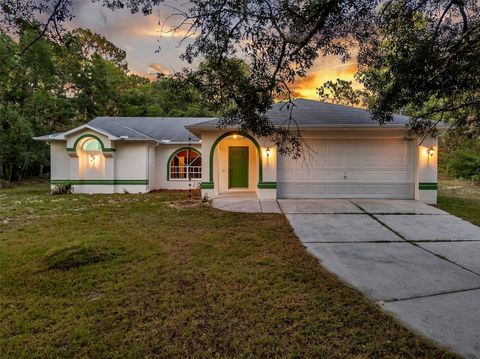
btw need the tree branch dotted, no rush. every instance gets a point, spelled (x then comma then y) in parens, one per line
(50, 19)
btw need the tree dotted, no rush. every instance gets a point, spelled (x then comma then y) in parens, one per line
(412, 53)
(166, 96)
(51, 88)
(424, 60)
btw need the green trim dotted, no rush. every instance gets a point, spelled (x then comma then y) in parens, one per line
(99, 182)
(74, 148)
(428, 186)
(206, 185)
(212, 151)
(174, 154)
(267, 185)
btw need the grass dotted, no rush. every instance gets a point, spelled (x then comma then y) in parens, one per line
(460, 198)
(130, 276)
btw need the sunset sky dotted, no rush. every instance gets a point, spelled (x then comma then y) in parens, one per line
(141, 36)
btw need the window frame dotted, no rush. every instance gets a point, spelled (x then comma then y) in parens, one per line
(186, 166)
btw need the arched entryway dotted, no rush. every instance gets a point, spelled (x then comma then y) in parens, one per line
(235, 164)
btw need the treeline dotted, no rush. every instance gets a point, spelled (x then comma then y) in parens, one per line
(459, 157)
(47, 88)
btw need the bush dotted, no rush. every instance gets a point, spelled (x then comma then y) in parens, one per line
(459, 156)
(476, 179)
(62, 188)
(464, 164)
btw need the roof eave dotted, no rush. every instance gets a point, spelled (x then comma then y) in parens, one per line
(47, 139)
(91, 128)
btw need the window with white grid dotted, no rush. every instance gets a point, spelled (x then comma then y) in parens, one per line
(186, 164)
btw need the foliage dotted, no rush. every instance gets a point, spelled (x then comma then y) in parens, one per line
(166, 96)
(414, 56)
(341, 92)
(422, 59)
(51, 88)
(62, 188)
(476, 179)
(460, 157)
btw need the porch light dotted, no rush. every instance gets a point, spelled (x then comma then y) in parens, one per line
(267, 151)
(235, 137)
(431, 151)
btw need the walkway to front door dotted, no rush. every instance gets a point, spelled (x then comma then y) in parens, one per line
(245, 202)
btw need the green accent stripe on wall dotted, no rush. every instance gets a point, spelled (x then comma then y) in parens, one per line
(206, 185)
(428, 186)
(99, 182)
(267, 185)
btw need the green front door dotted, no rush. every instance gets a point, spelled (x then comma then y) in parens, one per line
(238, 167)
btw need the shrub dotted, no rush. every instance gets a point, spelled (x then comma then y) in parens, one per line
(62, 188)
(464, 164)
(459, 156)
(476, 179)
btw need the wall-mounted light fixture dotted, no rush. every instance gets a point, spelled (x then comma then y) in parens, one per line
(235, 137)
(431, 151)
(267, 151)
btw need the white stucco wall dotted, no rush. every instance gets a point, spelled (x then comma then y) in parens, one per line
(132, 167)
(131, 164)
(423, 166)
(427, 171)
(146, 164)
(59, 161)
(163, 153)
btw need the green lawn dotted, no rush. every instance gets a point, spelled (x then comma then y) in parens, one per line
(460, 198)
(136, 276)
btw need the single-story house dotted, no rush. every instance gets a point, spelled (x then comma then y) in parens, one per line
(347, 156)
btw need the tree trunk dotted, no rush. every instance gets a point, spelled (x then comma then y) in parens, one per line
(10, 174)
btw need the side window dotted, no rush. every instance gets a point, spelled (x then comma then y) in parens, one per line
(186, 164)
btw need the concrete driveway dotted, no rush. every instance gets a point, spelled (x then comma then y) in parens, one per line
(414, 260)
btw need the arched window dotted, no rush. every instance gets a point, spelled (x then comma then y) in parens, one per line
(92, 145)
(186, 164)
(93, 148)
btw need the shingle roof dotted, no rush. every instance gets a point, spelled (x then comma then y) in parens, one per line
(306, 113)
(310, 113)
(148, 128)
(161, 129)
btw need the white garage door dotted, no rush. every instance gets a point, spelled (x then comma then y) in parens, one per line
(349, 169)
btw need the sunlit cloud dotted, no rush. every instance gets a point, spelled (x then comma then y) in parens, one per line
(159, 69)
(142, 36)
(324, 69)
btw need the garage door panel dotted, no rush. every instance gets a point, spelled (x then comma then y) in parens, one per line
(302, 175)
(378, 176)
(373, 169)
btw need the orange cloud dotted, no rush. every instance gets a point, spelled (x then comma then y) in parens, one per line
(324, 69)
(159, 68)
